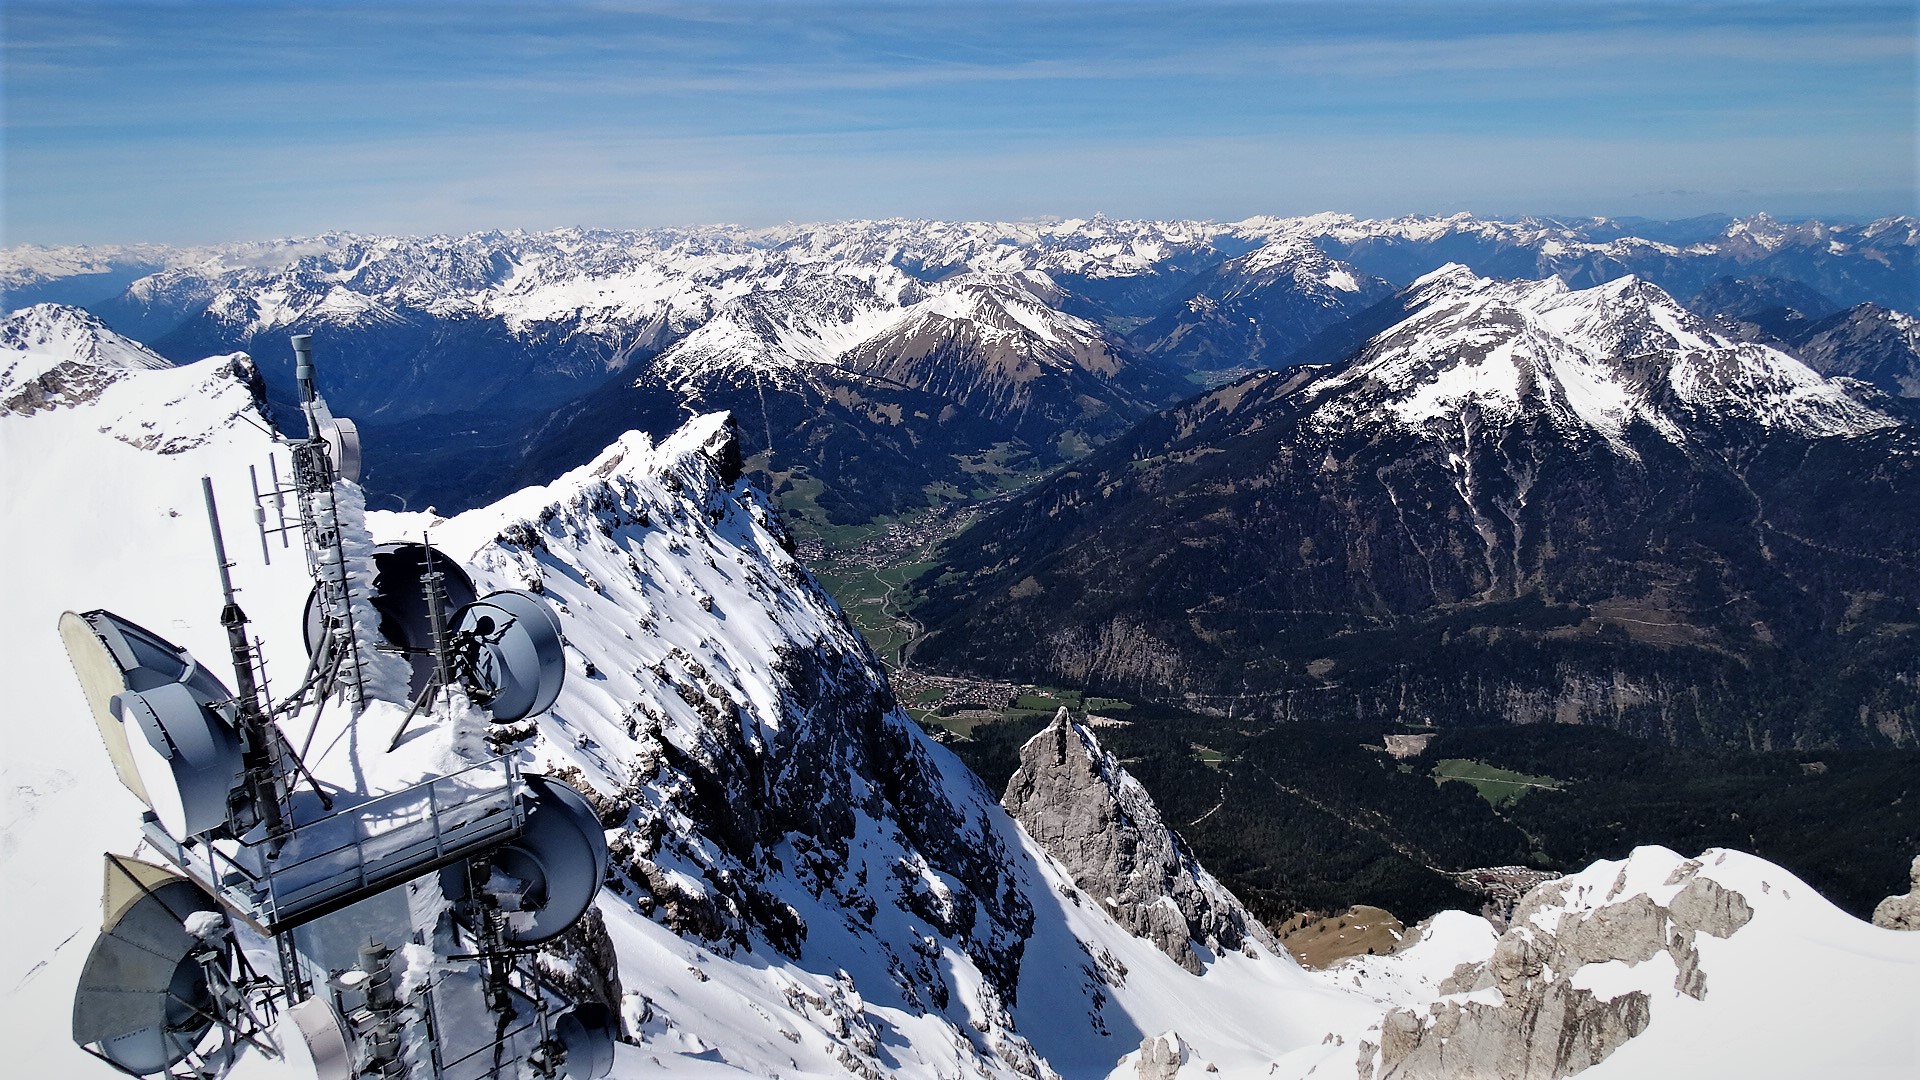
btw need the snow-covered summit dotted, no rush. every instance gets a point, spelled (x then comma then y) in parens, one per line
(1308, 266)
(779, 331)
(1593, 362)
(57, 358)
(37, 340)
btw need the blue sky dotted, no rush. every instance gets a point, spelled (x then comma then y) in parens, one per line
(188, 122)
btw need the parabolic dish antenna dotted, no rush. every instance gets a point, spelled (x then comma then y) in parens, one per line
(187, 755)
(586, 1032)
(143, 998)
(158, 711)
(553, 868)
(519, 663)
(399, 595)
(314, 1041)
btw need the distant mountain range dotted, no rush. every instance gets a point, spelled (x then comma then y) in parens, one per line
(487, 361)
(1515, 502)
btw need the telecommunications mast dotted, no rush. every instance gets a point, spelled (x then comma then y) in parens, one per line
(255, 851)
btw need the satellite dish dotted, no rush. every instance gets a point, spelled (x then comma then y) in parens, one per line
(399, 596)
(159, 713)
(586, 1033)
(517, 661)
(143, 998)
(314, 1041)
(554, 867)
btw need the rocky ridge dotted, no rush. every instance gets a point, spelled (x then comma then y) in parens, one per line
(1534, 1010)
(1082, 807)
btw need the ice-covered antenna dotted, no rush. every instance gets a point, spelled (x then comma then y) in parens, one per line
(329, 453)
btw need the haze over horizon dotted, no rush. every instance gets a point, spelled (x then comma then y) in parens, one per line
(210, 121)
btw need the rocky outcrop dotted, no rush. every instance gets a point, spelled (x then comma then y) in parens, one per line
(1403, 747)
(1901, 912)
(1502, 888)
(1102, 826)
(1161, 1057)
(1538, 1022)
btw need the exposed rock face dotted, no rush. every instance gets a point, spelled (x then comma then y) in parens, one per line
(1503, 888)
(1901, 912)
(1403, 747)
(1088, 813)
(1544, 1025)
(1161, 1056)
(1868, 343)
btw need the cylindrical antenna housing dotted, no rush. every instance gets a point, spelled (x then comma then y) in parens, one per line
(303, 364)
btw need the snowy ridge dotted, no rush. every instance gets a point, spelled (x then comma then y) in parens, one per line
(1593, 361)
(60, 358)
(1012, 310)
(1551, 238)
(896, 919)
(1297, 258)
(1555, 238)
(36, 341)
(785, 328)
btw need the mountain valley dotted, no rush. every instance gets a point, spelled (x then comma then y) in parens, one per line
(1517, 503)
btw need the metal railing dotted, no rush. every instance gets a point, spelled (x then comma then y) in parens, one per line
(357, 851)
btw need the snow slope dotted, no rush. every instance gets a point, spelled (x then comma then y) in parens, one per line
(1788, 985)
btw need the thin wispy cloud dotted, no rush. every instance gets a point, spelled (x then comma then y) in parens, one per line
(483, 115)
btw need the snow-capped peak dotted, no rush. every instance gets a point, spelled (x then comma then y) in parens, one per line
(1453, 273)
(1593, 361)
(1297, 257)
(36, 341)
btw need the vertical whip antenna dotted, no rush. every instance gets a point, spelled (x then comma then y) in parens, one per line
(259, 754)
